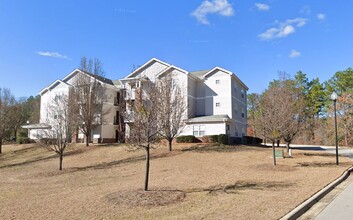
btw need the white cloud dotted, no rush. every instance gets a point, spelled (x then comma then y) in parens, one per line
(262, 7)
(294, 54)
(321, 16)
(282, 29)
(221, 7)
(53, 54)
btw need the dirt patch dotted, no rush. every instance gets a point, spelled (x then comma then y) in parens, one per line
(321, 164)
(319, 154)
(239, 186)
(140, 198)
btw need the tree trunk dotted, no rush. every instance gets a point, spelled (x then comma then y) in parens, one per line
(170, 144)
(15, 134)
(274, 153)
(0, 144)
(88, 135)
(289, 150)
(147, 166)
(61, 160)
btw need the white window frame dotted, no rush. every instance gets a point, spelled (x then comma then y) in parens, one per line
(199, 130)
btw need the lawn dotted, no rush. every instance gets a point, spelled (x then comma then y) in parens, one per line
(191, 182)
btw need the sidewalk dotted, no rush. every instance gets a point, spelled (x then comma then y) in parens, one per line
(338, 204)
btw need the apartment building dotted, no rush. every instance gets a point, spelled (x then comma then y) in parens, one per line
(216, 101)
(107, 126)
(216, 98)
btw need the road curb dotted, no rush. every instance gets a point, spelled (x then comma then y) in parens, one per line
(307, 204)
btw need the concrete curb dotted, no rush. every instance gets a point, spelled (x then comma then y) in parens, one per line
(306, 205)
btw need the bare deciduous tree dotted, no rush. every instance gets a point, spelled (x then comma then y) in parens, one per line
(270, 116)
(89, 96)
(144, 131)
(7, 101)
(172, 107)
(63, 122)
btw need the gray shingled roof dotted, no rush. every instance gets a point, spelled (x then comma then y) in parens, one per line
(100, 78)
(210, 118)
(199, 73)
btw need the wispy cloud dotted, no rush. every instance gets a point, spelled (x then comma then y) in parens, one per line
(220, 7)
(262, 7)
(294, 54)
(305, 10)
(53, 54)
(282, 29)
(321, 16)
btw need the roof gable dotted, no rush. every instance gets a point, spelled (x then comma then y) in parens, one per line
(99, 78)
(169, 69)
(145, 66)
(53, 85)
(207, 74)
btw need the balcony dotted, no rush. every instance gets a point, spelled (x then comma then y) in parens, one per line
(116, 101)
(130, 95)
(129, 117)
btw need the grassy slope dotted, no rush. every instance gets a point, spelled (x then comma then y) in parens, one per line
(190, 182)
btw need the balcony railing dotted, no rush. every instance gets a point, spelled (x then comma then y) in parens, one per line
(129, 116)
(116, 101)
(130, 95)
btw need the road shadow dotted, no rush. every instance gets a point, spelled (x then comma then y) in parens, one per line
(314, 148)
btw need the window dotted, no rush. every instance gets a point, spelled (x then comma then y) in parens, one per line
(242, 93)
(243, 114)
(218, 104)
(202, 130)
(235, 108)
(227, 129)
(175, 83)
(218, 81)
(199, 130)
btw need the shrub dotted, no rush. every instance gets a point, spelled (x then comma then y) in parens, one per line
(186, 139)
(252, 140)
(223, 139)
(210, 138)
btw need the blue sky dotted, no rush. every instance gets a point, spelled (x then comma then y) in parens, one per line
(41, 41)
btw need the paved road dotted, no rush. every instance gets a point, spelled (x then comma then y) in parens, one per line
(338, 204)
(348, 152)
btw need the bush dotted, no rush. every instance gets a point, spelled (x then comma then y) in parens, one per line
(223, 139)
(23, 140)
(186, 139)
(210, 138)
(252, 140)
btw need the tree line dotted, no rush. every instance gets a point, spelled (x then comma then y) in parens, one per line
(15, 112)
(299, 110)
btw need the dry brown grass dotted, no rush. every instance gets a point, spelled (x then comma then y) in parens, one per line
(192, 182)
